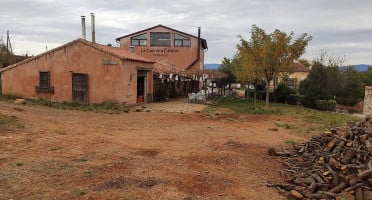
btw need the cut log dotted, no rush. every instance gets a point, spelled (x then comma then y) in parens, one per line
(367, 193)
(349, 155)
(333, 163)
(336, 165)
(317, 178)
(303, 181)
(345, 196)
(338, 188)
(296, 194)
(359, 194)
(353, 187)
(311, 188)
(365, 174)
(322, 195)
(369, 145)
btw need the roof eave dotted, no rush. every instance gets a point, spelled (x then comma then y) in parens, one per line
(160, 25)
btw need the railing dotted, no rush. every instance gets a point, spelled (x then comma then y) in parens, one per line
(39, 89)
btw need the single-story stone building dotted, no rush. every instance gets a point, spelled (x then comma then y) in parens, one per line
(82, 72)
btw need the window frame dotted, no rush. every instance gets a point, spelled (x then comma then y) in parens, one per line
(138, 40)
(44, 75)
(160, 45)
(182, 39)
(44, 83)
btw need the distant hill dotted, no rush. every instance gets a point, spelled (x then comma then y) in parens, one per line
(359, 67)
(212, 66)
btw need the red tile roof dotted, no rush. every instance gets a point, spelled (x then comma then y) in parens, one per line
(298, 67)
(162, 68)
(121, 53)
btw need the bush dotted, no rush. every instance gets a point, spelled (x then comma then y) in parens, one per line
(294, 99)
(348, 100)
(10, 97)
(282, 92)
(327, 105)
(261, 95)
(106, 105)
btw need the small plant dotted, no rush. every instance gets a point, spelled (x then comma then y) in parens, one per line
(9, 97)
(79, 192)
(9, 122)
(83, 159)
(89, 173)
(292, 143)
(19, 163)
(273, 129)
(19, 109)
(284, 125)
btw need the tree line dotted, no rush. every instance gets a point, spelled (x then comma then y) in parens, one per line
(265, 57)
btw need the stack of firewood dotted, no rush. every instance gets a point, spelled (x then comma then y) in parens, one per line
(334, 165)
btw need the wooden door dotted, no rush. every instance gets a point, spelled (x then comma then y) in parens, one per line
(80, 88)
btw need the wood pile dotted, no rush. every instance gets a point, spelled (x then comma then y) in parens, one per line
(335, 165)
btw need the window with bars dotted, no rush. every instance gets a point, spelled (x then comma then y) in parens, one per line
(44, 79)
(139, 40)
(44, 83)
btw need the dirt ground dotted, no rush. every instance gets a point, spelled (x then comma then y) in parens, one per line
(169, 151)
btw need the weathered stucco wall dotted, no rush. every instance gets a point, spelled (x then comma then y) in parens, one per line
(105, 82)
(368, 101)
(179, 56)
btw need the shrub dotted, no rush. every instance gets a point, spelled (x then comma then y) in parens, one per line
(294, 99)
(106, 105)
(10, 97)
(327, 105)
(282, 92)
(261, 95)
(348, 100)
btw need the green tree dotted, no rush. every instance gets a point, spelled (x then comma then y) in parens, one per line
(227, 68)
(351, 91)
(6, 57)
(367, 77)
(322, 83)
(266, 55)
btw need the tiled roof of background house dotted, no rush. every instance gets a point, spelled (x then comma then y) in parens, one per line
(298, 67)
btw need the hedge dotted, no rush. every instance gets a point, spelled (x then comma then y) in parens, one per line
(327, 105)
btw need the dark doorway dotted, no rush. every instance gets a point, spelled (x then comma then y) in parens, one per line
(141, 88)
(80, 88)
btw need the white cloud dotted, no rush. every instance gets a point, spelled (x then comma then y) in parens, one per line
(342, 26)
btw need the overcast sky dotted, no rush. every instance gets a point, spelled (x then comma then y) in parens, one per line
(342, 27)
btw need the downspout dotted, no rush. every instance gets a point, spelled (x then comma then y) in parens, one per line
(198, 52)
